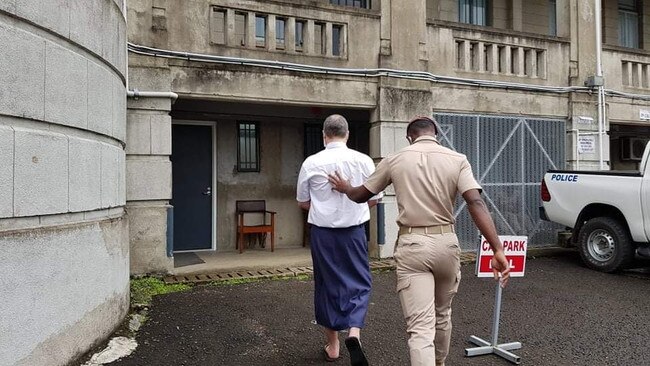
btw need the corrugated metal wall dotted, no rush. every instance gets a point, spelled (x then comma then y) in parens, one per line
(509, 156)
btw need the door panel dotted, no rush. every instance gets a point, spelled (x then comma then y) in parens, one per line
(192, 186)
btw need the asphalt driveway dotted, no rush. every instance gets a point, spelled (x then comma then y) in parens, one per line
(562, 312)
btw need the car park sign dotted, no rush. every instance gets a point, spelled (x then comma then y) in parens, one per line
(514, 248)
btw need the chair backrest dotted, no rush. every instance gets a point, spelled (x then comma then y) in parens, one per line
(251, 206)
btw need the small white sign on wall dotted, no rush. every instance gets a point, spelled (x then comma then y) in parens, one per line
(585, 120)
(644, 114)
(586, 144)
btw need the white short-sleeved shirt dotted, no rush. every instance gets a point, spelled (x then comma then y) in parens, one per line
(330, 208)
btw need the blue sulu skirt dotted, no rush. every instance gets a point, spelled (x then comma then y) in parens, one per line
(341, 276)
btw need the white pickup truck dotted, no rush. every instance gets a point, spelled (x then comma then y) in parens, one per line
(608, 211)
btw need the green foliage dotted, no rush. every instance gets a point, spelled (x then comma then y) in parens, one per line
(144, 288)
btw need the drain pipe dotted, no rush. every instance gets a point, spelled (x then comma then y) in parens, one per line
(381, 224)
(600, 82)
(135, 94)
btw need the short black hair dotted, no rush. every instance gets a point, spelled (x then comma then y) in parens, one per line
(421, 124)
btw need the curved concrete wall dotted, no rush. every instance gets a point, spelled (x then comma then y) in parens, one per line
(63, 234)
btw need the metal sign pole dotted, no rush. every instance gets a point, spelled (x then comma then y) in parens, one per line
(485, 348)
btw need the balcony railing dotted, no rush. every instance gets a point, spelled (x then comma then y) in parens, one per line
(635, 74)
(279, 33)
(498, 55)
(626, 69)
(500, 58)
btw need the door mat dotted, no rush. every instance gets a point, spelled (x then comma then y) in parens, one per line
(186, 259)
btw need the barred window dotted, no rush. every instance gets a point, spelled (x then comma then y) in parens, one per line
(364, 4)
(248, 147)
(313, 138)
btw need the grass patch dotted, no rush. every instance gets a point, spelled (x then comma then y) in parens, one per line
(242, 281)
(144, 288)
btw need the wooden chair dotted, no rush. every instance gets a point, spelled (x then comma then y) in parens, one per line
(254, 207)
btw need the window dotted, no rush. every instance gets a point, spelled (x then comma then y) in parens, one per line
(248, 147)
(337, 31)
(260, 30)
(240, 29)
(319, 33)
(472, 12)
(364, 4)
(313, 138)
(218, 26)
(300, 34)
(279, 32)
(552, 17)
(628, 23)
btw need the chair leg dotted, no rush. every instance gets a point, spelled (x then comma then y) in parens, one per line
(240, 242)
(272, 241)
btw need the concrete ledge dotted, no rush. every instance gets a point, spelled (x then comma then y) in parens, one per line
(375, 265)
(31, 223)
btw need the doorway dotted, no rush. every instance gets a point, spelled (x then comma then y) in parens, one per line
(193, 185)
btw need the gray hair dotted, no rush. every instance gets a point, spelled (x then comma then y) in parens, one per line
(335, 126)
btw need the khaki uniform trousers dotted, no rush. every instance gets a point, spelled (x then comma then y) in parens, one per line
(428, 274)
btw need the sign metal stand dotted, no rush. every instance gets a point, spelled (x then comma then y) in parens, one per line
(515, 251)
(485, 347)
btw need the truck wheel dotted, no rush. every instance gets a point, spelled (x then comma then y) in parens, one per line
(605, 244)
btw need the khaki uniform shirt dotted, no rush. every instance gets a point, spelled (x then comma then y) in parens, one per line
(427, 177)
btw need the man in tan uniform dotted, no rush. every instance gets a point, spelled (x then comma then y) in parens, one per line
(427, 178)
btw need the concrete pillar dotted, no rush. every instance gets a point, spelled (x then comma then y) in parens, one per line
(290, 35)
(250, 30)
(270, 32)
(408, 41)
(148, 168)
(308, 46)
(584, 107)
(399, 102)
(328, 39)
(230, 28)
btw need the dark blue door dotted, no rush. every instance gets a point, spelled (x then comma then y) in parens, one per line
(192, 186)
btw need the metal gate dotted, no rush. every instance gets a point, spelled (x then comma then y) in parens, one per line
(509, 156)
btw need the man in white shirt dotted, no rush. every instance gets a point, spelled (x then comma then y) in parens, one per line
(339, 246)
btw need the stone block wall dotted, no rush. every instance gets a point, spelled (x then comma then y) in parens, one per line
(63, 231)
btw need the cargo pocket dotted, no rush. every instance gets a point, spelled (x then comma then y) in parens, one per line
(404, 295)
(403, 284)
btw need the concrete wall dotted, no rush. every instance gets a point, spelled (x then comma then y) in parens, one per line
(281, 152)
(185, 26)
(62, 185)
(148, 168)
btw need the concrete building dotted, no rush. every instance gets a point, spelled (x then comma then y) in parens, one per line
(226, 98)
(514, 84)
(63, 229)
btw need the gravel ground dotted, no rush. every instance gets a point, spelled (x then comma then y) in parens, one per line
(562, 312)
